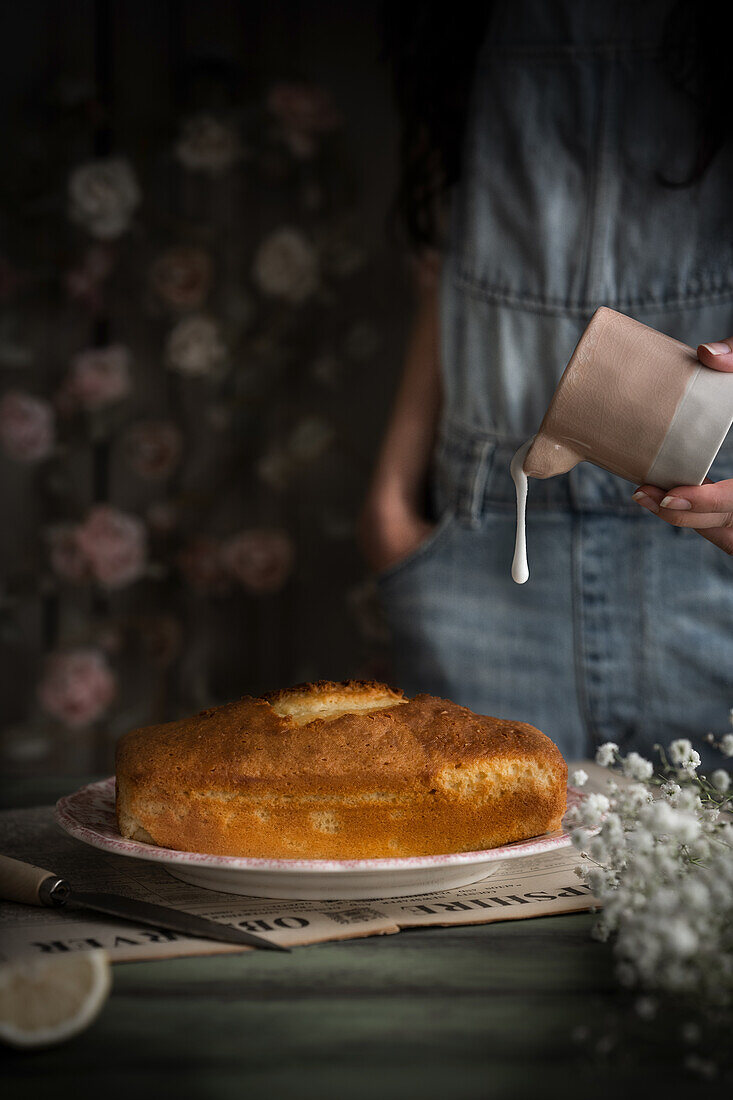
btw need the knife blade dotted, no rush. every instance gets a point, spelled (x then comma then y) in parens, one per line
(162, 916)
(33, 886)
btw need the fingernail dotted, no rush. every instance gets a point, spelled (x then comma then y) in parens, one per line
(645, 501)
(679, 503)
(718, 348)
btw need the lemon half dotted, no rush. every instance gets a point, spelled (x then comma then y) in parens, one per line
(47, 1000)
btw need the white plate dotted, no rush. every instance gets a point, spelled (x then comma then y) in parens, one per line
(89, 815)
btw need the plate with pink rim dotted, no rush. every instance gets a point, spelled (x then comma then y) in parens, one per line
(89, 815)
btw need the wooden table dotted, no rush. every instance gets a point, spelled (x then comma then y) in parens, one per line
(437, 1014)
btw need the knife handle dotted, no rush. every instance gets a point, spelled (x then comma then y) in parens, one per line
(28, 884)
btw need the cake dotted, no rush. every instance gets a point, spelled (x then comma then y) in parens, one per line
(338, 771)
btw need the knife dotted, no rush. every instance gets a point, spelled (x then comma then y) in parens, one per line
(32, 886)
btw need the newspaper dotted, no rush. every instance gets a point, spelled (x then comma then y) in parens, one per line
(530, 886)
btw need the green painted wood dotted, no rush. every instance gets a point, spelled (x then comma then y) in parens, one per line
(475, 1012)
(19, 792)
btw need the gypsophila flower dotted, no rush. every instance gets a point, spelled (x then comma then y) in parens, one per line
(636, 767)
(720, 779)
(639, 841)
(695, 895)
(662, 870)
(606, 754)
(683, 755)
(726, 744)
(686, 798)
(581, 838)
(597, 849)
(679, 750)
(580, 778)
(632, 797)
(664, 820)
(679, 936)
(593, 808)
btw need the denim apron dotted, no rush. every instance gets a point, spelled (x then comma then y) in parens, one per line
(624, 631)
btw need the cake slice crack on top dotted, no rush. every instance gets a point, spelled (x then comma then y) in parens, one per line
(377, 775)
(329, 699)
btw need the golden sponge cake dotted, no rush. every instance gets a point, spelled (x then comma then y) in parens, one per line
(338, 771)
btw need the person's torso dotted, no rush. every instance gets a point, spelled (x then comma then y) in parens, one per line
(576, 139)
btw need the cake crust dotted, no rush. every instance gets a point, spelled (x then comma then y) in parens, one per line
(390, 777)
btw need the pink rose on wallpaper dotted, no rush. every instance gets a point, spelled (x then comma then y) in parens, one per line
(181, 277)
(260, 560)
(26, 426)
(103, 196)
(84, 282)
(304, 112)
(286, 266)
(77, 686)
(97, 377)
(68, 561)
(153, 448)
(208, 144)
(114, 544)
(201, 566)
(195, 346)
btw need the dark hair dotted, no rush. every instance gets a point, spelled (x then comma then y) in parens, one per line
(433, 52)
(695, 52)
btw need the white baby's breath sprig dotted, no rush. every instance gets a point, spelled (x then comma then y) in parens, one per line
(636, 767)
(683, 756)
(658, 855)
(720, 779)
(607, 754)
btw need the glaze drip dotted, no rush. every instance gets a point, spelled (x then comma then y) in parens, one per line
(520, 568)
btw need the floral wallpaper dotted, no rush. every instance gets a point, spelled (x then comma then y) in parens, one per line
(197, 349)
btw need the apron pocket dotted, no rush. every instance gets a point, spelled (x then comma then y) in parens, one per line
(423, 553)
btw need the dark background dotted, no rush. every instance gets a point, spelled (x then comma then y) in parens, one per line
(310, 380)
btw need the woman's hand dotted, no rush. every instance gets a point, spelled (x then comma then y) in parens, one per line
(707, 508)
(390, 530)
(391, 525)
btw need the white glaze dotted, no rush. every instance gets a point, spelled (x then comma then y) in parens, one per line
(520, 568)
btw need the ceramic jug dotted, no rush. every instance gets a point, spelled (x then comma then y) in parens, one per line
(637, 403)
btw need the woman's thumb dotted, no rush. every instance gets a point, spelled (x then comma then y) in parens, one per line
(718, 354)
